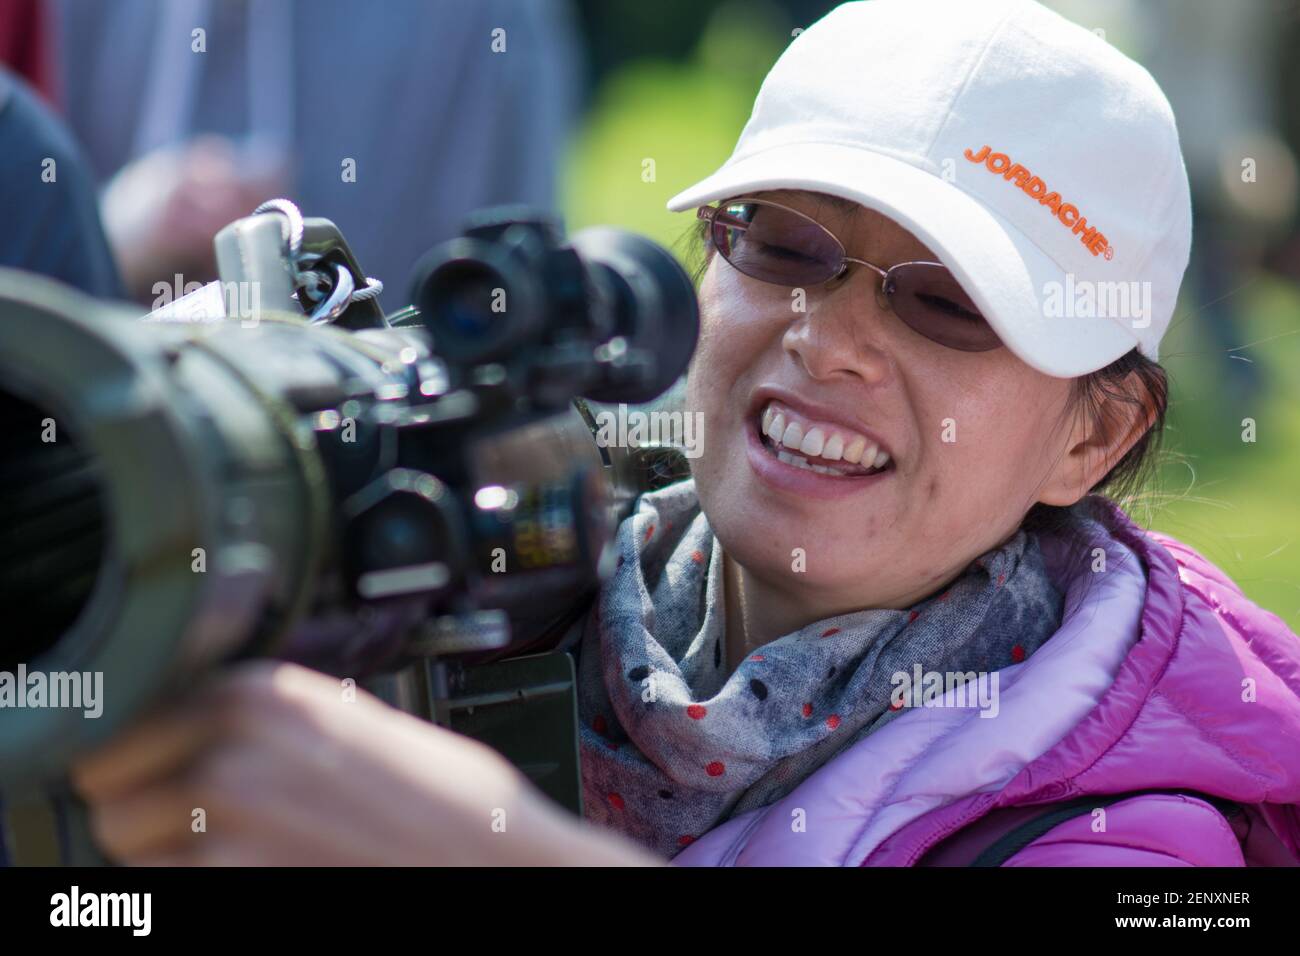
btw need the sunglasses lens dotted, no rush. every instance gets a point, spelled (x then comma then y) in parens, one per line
(929, 299)
(775, 245)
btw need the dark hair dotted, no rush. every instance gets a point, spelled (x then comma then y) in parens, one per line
(1131, 380)
(1134, 383)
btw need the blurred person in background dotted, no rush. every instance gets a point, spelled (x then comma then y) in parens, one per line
(392, 120)
(51, 216)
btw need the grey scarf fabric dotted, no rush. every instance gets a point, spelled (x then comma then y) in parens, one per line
(673, 742)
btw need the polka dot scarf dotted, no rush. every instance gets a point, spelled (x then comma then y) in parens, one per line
(672, 744)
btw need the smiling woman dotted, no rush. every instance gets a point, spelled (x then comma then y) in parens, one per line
(1122, 404)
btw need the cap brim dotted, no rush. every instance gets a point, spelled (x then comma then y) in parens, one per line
(997, 265)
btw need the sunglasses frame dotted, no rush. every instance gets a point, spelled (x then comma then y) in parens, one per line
(883, 296)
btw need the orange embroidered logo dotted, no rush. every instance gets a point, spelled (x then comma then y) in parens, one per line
(1066, 213)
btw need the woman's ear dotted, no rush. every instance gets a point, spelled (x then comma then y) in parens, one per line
(1106, 424)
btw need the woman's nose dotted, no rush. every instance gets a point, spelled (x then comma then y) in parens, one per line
(842, 331)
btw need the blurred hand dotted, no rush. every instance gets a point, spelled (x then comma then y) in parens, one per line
(162, 210)
(286, 769)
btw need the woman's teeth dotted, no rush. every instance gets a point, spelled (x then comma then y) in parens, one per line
(827, 443)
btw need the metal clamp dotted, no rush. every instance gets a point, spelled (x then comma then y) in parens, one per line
(332, 306)
(308, 278)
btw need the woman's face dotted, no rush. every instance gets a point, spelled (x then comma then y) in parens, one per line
(973, 438)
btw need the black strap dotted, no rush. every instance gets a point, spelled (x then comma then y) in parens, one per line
(1015, 840)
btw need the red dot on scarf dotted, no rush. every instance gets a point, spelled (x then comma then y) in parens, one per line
(615, 801)
(1017, 653)
(649, 532)
(1001, 579)
(829, 631)
(944, 596)
(833, 721)
(611, 744)
(807, 710)
(685, 840)
(913, 616)
(598, 724)
(715, 769)
(696, 711)
(758, 657)
(697, 557)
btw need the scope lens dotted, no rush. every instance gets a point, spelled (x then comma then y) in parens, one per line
(53, 529)
(466, 299)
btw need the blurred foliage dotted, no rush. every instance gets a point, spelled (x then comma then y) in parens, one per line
(1237, 502)
(626, 30)
(683, 118)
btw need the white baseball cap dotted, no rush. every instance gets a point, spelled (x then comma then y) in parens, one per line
(1039, 163)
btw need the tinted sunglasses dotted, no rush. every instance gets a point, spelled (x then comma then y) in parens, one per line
(774, 243)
